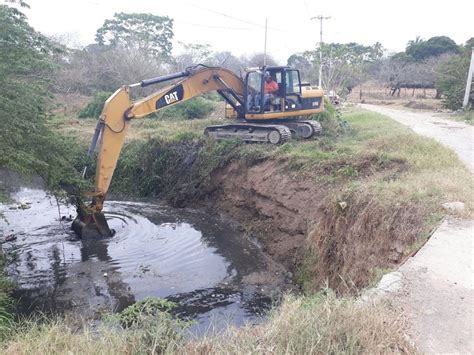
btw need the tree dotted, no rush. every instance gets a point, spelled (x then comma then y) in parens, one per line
(304, 65)
(469, 45)
(228, 60)
(26, 143)
(420, 50)
(393, 71)
(99, 68)
(451, 79)
(147, 32)
(256, 60)
(413, 43)
(345, 65)
(192, 54)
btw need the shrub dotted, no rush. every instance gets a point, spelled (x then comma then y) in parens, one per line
(331, 120)
(452, 81)
(197, 107)
(148, 307)
(94, 108)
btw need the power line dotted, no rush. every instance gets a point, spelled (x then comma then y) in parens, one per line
(237, 18)
(216, 27)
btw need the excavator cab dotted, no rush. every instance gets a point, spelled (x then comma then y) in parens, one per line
(289, 96)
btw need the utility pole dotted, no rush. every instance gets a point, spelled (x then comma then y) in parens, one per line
(265, 45)
(321, 18)
(469, 82)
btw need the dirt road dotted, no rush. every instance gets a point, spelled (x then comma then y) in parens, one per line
(455, 135)
(437, 284)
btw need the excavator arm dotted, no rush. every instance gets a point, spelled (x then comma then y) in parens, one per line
(119, 110)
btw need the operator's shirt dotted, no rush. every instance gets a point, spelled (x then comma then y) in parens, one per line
(272, 86)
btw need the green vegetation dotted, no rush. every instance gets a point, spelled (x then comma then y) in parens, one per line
(438, 63)
(465, 116)
(420, 49)
(95, 106)
(138, 32)
(452, 81)
(353, 145)
(26, 143)
(6, 303)
(145, 327)
(322, 323)
(148, 307)
(197, 107)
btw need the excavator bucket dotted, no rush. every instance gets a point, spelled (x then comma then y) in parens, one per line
(94, 227)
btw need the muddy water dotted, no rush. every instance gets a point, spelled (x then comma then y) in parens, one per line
(204, 263)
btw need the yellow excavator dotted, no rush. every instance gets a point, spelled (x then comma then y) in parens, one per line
(260, 116)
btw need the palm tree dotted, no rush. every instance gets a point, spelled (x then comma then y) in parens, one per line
(418, 40)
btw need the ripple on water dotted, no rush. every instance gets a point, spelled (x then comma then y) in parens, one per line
(186, 255)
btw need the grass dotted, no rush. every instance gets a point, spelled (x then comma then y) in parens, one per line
(140, 129)
(318, 324)
(6, 303)
(426, 170)
(464, 116)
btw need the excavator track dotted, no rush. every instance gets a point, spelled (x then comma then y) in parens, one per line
(304, 129)
(250, 132)
(316, 127)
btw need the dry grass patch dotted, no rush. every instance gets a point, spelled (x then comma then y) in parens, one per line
(82, 129)
(320, 324)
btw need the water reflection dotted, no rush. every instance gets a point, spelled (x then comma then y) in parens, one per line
(188, 256)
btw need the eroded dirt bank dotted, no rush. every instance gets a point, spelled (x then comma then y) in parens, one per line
(316, 229)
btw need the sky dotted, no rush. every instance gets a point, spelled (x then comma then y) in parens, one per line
(238, 26)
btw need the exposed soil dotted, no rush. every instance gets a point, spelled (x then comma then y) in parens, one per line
(277, 206)
(301, 219)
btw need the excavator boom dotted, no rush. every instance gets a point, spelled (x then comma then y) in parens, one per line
(116, 115)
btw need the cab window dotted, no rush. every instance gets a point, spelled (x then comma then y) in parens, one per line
(254, 82)
(278, 78)
(292, 82)
(254, 92)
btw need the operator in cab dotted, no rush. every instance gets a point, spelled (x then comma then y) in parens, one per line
(270, 90)
(271, 86)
